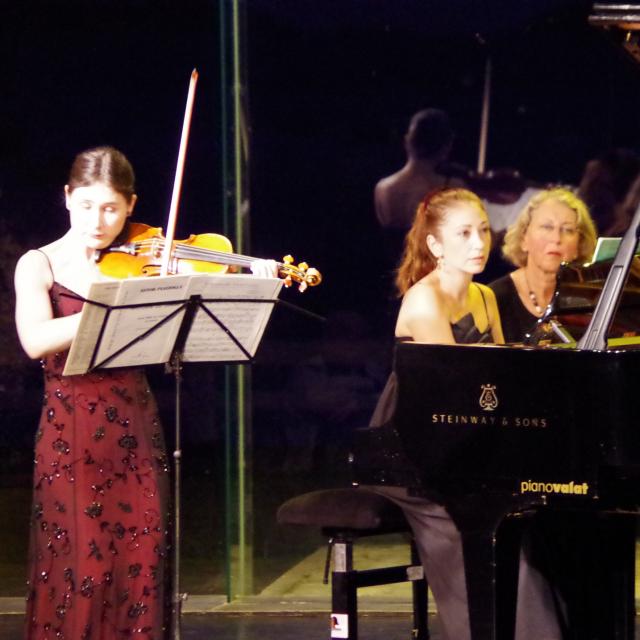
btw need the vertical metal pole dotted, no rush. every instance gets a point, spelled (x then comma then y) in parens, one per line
(177, 597)
(484, 118)
(243, 373)
(239, 577)
(224, 124)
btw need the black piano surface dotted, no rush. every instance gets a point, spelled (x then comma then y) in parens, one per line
(506, 435)
(498, 433)
(539, 421)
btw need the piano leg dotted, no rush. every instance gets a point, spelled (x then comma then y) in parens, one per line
(591, 564)
(588, 556)
(491, 561)
(604, 607)
(624, 575)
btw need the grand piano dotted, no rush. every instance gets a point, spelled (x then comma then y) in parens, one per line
(531, 438)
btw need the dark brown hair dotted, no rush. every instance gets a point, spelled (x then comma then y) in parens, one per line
(429, 134)
(106, 165)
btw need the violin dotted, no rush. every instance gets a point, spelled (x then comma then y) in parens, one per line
(142, 250)
(139, 252)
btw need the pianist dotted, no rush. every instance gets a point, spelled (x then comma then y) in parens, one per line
(447, 245)
(554, 227)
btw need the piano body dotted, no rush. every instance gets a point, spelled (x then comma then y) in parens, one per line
(501, 432)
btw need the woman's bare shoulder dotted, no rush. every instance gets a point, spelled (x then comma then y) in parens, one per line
(33, 266)
(33, 259)
(425, 289)
(423, 299)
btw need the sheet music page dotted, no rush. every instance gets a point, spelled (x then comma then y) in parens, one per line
(124, 326)
(208, 341)
(89, 330)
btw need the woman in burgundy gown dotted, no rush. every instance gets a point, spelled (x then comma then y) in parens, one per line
(99, 537)
(100, 508)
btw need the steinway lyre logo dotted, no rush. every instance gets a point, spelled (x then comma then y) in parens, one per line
(488, 398)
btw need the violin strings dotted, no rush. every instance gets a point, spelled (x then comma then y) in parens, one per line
(206, 255)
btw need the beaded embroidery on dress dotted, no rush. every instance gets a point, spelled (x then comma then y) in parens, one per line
(99, 520)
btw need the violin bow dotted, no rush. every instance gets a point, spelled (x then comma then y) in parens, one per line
(177, 182)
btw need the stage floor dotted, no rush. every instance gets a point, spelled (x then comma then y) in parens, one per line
(293, 607)
(221, 626)
(217, 626)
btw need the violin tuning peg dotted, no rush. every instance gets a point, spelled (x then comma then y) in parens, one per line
(288, 259)
(303, 266)
(302, 286)
(287, 281)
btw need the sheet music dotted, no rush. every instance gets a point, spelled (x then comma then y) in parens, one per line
(125, 325)
(246, 320)
(118, 328)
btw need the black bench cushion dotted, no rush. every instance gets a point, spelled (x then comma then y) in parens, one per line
(354, 509)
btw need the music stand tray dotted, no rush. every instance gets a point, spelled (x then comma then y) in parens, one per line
(139, 321)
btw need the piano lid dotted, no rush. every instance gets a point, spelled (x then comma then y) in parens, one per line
(578, 292)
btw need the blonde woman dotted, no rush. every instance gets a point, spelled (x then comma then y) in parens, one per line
(554, 227)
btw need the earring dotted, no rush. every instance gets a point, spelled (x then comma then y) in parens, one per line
(439, 263)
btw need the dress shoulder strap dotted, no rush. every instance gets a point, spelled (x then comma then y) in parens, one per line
(46, 257)
(484, 301)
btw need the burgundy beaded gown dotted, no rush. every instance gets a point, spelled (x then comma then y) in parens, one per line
(99, 520)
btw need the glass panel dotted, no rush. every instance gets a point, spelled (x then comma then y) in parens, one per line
(236, 207)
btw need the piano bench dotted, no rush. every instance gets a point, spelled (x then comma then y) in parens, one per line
(344, 516)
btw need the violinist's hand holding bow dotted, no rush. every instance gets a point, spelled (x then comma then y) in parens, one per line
(264, 268)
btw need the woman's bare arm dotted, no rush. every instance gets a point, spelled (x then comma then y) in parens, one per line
(39, 332)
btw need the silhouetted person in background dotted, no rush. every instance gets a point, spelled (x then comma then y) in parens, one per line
(605, 185)
(428, 143)
(624, 211)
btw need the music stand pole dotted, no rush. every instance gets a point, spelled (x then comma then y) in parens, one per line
(175, 365)
(177, 598)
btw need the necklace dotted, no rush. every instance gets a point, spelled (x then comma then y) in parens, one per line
(532, 296)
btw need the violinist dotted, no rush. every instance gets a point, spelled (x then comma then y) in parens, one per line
(100, 503)
(554, 227)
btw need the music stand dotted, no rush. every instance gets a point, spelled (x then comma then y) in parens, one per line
(210, 318)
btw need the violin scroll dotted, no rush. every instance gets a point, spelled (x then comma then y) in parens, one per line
(303, 274)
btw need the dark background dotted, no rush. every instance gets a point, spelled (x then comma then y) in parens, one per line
(331, 85)
(330, 88)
